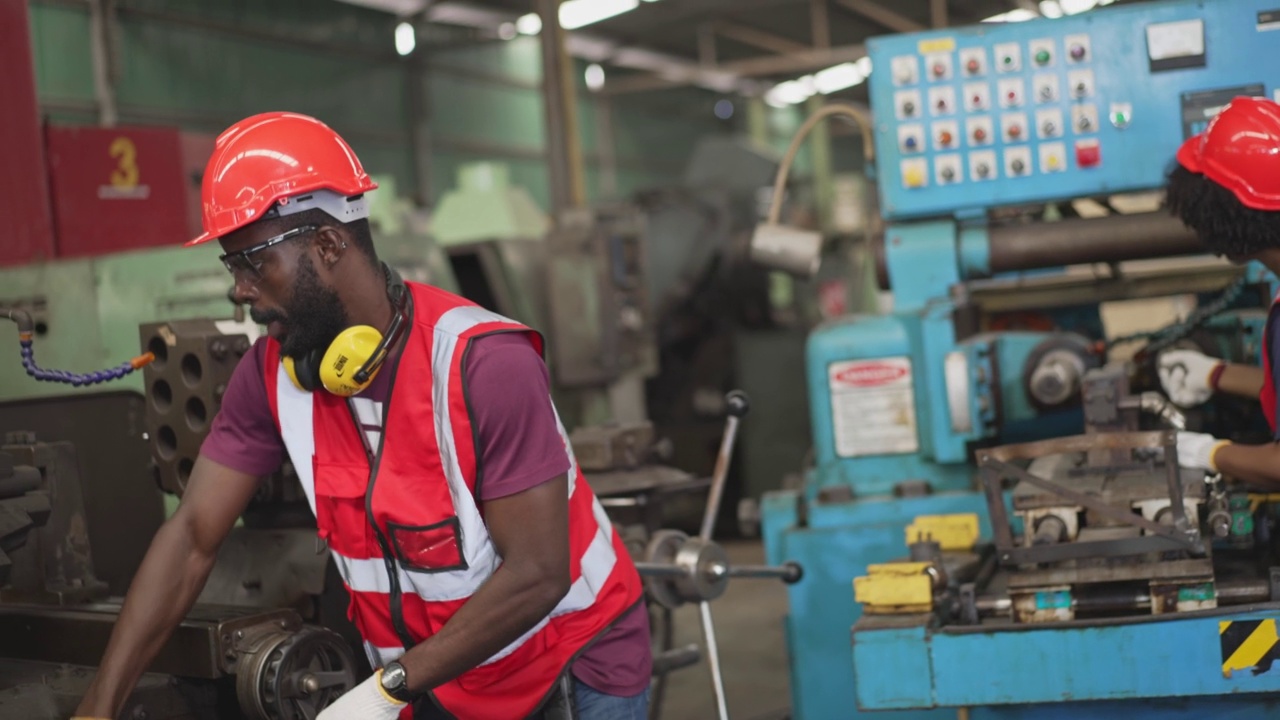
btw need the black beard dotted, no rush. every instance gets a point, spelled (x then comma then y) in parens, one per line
(312, 317)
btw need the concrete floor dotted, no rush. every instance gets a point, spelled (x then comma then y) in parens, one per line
(753, 654)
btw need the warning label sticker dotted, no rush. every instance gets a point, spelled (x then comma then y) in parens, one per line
(873, 407)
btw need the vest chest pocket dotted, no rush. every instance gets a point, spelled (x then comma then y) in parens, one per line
(340, 509)
(428, 548)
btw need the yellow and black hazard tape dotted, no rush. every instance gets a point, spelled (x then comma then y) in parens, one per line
(1248, 644)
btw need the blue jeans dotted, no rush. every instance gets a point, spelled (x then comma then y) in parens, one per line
(595, 705)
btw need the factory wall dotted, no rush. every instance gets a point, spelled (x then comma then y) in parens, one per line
(202, 65)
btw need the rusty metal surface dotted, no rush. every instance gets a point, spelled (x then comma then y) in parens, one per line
(57, 564)
(201, 646)
(122, 505)
(1078, 444)
(52, 691)
(184, 387)
(1189, 569)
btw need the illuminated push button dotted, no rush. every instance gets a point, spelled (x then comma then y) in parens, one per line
(973, 66)
(945, 139)
(1043, 57)
(1078, 52)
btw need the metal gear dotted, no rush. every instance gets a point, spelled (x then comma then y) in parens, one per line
(294, 675)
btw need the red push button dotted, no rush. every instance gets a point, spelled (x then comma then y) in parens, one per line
(1088, 153)
(944, 138)
(1015, 131)
(973, 66)
(939, 69)
(979, 134)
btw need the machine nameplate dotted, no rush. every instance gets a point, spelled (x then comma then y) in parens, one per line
(873, 407)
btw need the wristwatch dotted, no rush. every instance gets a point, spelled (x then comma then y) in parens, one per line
(396, 682)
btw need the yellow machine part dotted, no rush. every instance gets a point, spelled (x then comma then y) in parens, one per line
(953, 532)
(904, 587)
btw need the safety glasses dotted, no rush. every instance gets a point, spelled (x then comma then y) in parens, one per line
(241, 264)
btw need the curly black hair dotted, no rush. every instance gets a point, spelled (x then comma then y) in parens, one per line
(1222, 222)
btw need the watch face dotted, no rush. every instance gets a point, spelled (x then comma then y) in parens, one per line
(393, 676)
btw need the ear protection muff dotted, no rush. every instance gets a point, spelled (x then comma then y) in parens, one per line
(354, 357)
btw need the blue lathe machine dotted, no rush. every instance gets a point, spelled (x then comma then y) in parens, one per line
(995, 525)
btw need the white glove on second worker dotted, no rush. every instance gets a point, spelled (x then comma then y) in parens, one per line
(1186, 376)
(1196, 450)
(366, 701)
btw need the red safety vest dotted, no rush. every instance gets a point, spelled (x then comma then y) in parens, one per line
(408, 538)
(1268, 396)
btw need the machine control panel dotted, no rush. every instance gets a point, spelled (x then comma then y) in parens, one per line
(1006, 113)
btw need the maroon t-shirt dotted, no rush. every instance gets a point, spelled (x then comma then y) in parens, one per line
(519, 447)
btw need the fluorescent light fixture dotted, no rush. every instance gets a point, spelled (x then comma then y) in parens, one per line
(529, 24)
(1019, 15)
(594, 77)
(406, 38)
(1050, 8)
(580, 13)
(824, 82)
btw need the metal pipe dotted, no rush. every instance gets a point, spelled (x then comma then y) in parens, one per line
(1237, 592)
(676, 659)
(648, 569)
(713, 659)
(737, 406)
(1115, 238)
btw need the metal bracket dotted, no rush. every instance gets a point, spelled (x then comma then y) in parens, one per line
(995, 467)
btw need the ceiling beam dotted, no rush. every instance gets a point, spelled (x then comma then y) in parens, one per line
(938, 13)
(820, 23)
(881, 15)
(756, 38)
(798, 62)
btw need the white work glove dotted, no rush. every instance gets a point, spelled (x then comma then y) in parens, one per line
(366, 701)
(1186, 376)
(1196, 450)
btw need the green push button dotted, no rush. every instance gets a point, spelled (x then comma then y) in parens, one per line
(1042, 57)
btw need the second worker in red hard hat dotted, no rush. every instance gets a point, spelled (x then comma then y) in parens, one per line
(1226, 187)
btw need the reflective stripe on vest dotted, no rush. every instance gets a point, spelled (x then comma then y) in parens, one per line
(602, 587)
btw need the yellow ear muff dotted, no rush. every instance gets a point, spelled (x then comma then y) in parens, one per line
(346, 354)
(292, 372)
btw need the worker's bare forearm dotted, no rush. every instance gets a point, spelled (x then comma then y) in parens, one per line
(1242, 380)
(163, 591)
(504, 608)
(1255, 464)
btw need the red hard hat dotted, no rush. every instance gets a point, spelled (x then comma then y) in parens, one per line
(268, 158)
(1240, 150)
